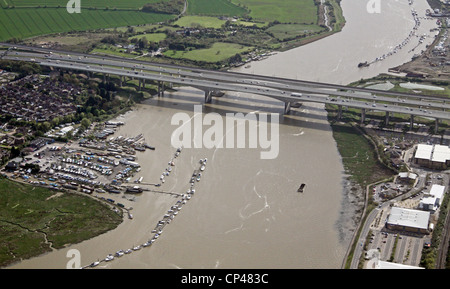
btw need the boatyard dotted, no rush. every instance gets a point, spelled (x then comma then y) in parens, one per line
(105, 167)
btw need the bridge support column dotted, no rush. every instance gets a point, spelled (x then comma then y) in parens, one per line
(287, 107)
(120, 80)
(363, 115)
(208, 96)
(411, 122)
(140, 84)
(339, 111)
(387, 118)
(436, 126)
(160, 89)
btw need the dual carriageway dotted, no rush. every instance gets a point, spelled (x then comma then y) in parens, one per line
(211, 82)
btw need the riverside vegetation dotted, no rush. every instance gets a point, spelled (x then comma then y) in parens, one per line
(210, 33)
(244, 28)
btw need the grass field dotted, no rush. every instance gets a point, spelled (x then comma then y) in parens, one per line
(286, 11)
(27, 22)
(29, 18)
(120, 4)
(218, 52)
(200, 21)
(152, 37)
(214, 8)
(28, 213)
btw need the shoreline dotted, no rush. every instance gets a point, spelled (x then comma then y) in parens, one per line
(345, 188)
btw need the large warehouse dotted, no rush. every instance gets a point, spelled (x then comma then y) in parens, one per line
(408, 220)
(432, 156)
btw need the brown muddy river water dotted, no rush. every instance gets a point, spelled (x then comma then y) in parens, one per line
(246, 211)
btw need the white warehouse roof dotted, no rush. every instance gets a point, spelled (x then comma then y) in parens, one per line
(435, 153)
(437, 191)
(441, 153)
(424, 151)
(409, 218)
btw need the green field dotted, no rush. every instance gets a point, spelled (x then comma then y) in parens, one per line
(200, 21)
(120, 4)
(286, 11)
(218, 52)
(214, 8)
(29, 215)
(27, 22)
(29, 18)
(152, 37)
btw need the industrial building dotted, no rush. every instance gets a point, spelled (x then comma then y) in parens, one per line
(432, 156)
(433, 199)
(408, 220)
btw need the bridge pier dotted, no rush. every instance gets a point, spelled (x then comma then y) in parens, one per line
(411, 123)
(160, 88)
(208, 96)
(436, 126)
(120, 80)
(363, 115)
(386, 120)
(287, 107)
(339, 112)
(141, 83)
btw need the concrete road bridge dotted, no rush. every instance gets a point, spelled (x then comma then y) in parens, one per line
(213, 83)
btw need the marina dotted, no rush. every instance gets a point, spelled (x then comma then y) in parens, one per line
(158, 229)
(237, 218)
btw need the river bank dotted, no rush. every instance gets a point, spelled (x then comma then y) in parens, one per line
(246, 212)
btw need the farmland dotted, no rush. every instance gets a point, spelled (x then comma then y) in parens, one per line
(27, 20)
(218, 52)
(119, 4)
(214, 8)
(262, 25)
(286, 11)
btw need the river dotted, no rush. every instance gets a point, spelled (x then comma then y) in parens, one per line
(246, 211)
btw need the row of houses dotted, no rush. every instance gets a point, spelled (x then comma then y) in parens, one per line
(33, 98)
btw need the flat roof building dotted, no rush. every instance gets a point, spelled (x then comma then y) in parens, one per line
(408, 220)
(434, 198)
(432, 156)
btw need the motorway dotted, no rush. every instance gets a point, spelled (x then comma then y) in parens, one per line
(285, 90)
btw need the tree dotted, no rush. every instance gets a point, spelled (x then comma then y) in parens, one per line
(85, 123)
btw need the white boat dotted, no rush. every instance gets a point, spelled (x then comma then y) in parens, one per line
(128, 251)
(137, 248)
(146, 244)
(202, 168)
(109, 258)
(119, 253)
(95, 264)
